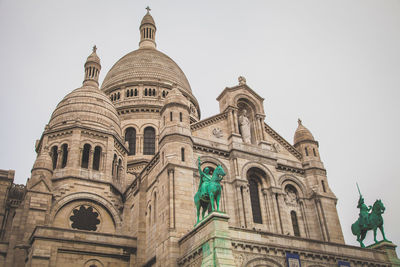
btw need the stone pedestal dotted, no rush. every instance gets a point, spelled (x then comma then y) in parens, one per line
(390, 250)
(211, 238)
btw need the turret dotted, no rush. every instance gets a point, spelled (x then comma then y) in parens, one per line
(175, 128)
(147, 31)
(92, 69)
(305, 143)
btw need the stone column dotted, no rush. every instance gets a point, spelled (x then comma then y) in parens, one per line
(260, 120)
(59, 159)
(80, 157)
(90, 164)
(230, 118)
(103, 160)
(277, 200)
(305, 222)
(267, 209)
(240, 211)
(320, 219)
(171, 197)
(236, 122)
(248, 213)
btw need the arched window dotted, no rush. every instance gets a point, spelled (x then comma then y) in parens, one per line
(315, 154)
(96, 158)
(182, 154)
(54, 156)
(127, 93)
(180, 116)
(295, 223)
(155, 208)
(323, 186)
(163, 94)
(135, 91)
(85, 156)
(119, 169)
(149, 140)
(306, 150)
(255, 200)
(130, 136)
(145, 91)
(150, 215)
(64, 149)
(154, 92)
(118, 95)
(170, 116)
(114, 165)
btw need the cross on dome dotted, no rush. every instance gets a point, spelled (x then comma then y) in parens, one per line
(148, 9)
(94, 49)
(299, 121)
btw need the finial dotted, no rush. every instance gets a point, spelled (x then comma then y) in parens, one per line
(94, 49)
(148, 9)
(299, 121)
(242, 80)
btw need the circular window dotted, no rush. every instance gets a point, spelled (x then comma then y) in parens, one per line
(84, 217)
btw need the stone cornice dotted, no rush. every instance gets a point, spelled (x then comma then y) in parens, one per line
(282, 141)
(234, 88)
(284, 167)
(307, 141)
(213, 150)
(208, 121)
(304, 250)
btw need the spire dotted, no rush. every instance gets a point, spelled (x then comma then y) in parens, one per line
(92, 69)
(147, 31)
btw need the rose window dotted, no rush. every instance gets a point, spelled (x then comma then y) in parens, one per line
(84, 218)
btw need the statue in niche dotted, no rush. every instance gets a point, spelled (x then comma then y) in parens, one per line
(244, 124)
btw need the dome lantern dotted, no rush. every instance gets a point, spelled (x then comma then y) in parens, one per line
(147, 31)
(92, 69)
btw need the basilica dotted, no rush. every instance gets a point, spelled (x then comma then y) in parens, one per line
(117, 170)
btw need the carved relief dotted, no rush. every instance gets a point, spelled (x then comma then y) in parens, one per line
(239, 259)
(290, 196)
(217, 132)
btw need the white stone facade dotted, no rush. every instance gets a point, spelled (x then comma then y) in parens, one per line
(116, 173)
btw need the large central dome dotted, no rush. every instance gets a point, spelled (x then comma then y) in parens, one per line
(145, 65)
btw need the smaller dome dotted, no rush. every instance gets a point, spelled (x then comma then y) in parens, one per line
(93, 57)
(87, 106)
(148, 19)
(302, 134)
(175, 96)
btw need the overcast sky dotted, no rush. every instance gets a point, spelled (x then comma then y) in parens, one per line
(334, 64)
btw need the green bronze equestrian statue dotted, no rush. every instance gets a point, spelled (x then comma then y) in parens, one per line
(368, 221)
(209, 191)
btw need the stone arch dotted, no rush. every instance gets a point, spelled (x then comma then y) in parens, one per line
(212, 161)
(250, 100)
(130, 125)
(93, 262)
(269, 175)
(144, 126)
(209, 161)
(286, 179)
(101, 145)
(262, 262)
(113, 212)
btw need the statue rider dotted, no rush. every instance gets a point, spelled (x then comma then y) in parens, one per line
(204, 176)
(364, 211)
